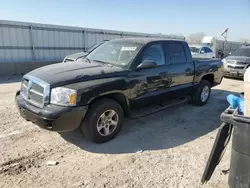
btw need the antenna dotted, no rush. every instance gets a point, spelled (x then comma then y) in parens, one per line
(224, 35)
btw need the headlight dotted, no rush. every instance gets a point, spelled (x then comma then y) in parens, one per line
(224, 61)
(63, 96)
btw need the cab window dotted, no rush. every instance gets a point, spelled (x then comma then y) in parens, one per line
(155, 53)
(208, 50)
(177, 53)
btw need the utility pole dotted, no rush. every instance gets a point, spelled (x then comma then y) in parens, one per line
(224, 35)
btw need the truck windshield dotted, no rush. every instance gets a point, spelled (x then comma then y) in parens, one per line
(195, 49)
(118, 53)
(242, 52)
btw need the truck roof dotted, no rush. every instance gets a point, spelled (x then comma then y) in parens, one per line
(145, 40)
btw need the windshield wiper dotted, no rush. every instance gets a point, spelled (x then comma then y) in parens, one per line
(88, 59)
(103, 62)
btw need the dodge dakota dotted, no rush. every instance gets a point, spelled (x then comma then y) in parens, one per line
(97, 92)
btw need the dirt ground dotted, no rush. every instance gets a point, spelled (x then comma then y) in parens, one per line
(166, 149)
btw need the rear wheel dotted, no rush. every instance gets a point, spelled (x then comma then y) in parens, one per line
(202, 93)
(103, 121)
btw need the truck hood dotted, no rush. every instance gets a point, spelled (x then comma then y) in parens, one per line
(67, 73)
(239, 58)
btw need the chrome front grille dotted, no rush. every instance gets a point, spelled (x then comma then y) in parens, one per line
(232, 67)
(233, 62)
(36, 98)
(35, 91)
(241, 63)
(236, 65)
(25, 83)
(37, 88)
(24, 88)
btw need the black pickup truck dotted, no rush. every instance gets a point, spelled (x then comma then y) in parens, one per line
(96, 92)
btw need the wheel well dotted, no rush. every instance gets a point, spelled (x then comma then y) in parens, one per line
(209, 77)
(118, 97)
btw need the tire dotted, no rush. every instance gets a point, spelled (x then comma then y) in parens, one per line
(197, 95)
(97, 116)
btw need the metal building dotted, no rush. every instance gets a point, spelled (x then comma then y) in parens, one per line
(34, 42)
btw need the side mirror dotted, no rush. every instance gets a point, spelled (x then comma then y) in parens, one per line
(147, 64)
(202, 51)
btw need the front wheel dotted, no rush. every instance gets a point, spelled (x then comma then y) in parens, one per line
(202, 93)
(103, 121)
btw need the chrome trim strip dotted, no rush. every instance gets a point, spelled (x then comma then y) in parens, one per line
(24, 86)
(33, 91)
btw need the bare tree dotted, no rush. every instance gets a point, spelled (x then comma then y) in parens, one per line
(195, 38)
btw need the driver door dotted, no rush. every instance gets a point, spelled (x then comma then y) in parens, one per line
(150, 87)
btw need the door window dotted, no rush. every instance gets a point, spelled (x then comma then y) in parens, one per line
(155, 53)
(208, 50)
(177, 53)
(203, 50)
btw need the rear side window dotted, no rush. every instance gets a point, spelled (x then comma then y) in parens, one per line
(208, 50)
(177, 53)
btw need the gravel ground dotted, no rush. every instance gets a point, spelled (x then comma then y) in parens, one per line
(166, 149)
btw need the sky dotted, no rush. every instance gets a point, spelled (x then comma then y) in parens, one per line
(148, 16)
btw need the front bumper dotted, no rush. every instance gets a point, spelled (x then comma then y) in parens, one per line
(234, 72)
(51, 117)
